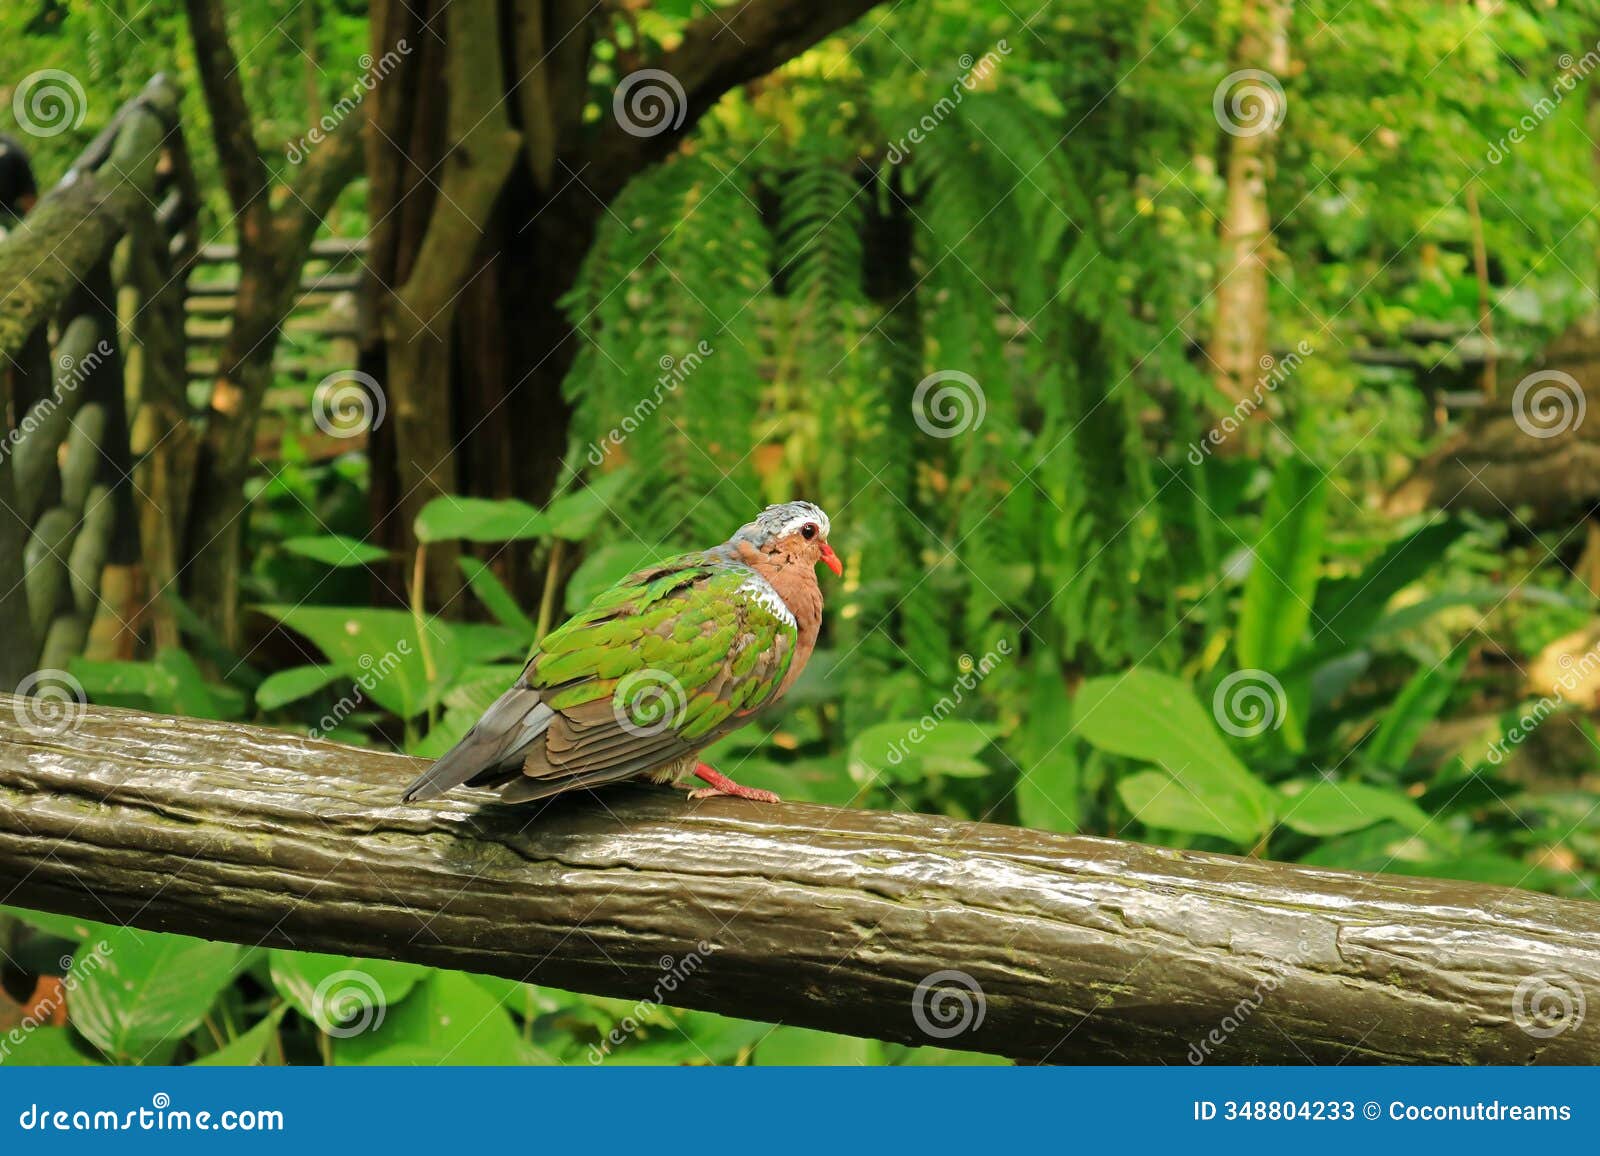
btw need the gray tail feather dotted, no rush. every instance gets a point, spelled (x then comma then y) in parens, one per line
(500, 738)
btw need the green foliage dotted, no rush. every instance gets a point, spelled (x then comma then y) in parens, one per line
(773, 312)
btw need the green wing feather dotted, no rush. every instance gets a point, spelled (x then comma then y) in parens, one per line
(716, 650)
(661, 664)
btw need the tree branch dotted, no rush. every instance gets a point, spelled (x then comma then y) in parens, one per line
(719, 52)
(483, 149)
(244, 173)
(1085, 950)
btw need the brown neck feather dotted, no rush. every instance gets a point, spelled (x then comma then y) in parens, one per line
(796, 584)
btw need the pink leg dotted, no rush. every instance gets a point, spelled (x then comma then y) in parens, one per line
(722, 785)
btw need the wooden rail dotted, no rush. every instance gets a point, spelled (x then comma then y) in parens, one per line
(102, 266)
(1073, 949)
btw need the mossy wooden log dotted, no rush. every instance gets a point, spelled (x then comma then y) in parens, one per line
(74, 226)
(1085, 950)
(48, 422)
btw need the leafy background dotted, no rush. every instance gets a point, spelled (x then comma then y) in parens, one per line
(1122, 582)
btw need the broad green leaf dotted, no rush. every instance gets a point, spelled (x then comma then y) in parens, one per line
(479, 520)
(1047, 791)
(574, 516)
(494, 595)
(477, 643)
(448, 1019)
(1154, 717)
(43, 1047)
(908, 750)
(1049, 779)
(1324, 807)
(1418, 704)
(146, 988)
(129, 684)
(64, 926)
(377, 649)
(929, 1057)
(336, 991)
(335, 550)
(192, 695)
(804, 1047)
(286, 686)
(1158, 799)
(1282, 583)
(246, 1050)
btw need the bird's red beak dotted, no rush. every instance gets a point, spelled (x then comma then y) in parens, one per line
(831, 560)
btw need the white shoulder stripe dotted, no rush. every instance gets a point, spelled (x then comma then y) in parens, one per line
(761, 592)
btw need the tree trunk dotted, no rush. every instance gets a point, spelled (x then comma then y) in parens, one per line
(1250, 107)
(479, 408)
(273, 244)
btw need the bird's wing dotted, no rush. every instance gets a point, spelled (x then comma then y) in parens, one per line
(658, 666)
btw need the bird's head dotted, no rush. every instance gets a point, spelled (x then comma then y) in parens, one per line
(797, 531)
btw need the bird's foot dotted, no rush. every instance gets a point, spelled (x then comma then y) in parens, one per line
(722, 785)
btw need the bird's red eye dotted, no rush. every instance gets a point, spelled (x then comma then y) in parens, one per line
(808, 531)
